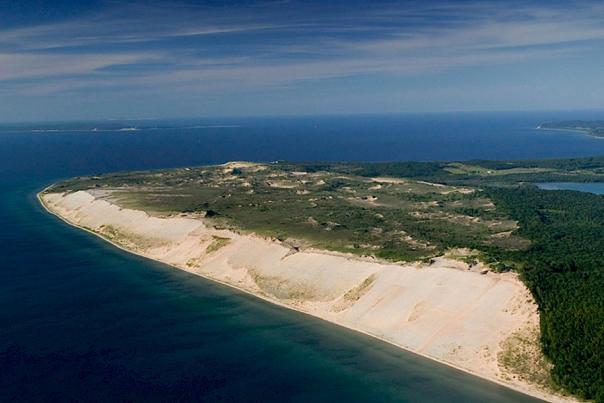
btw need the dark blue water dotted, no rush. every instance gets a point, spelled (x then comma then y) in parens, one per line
(83, 321)
(596, 188)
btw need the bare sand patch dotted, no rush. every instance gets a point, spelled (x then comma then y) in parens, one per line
(383, 179)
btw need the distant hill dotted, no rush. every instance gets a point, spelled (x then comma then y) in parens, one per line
(593, 128)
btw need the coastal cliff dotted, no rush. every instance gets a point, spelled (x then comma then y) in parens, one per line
(444, 310)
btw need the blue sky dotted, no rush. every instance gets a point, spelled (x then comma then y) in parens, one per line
(70, 60)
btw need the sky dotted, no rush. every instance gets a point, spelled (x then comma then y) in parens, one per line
(110, 59)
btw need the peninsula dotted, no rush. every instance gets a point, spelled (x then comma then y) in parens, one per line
(467, 263)
(593, 128)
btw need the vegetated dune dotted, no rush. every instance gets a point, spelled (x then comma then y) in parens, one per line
(444, 311)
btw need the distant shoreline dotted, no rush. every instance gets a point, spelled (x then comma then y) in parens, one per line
(584, 132)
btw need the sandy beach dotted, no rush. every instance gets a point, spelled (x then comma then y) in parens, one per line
(445, 311)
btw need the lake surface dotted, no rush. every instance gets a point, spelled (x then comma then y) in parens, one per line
(596, 188)
(83, 321)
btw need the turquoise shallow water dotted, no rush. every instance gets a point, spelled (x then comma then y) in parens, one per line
(83, 321)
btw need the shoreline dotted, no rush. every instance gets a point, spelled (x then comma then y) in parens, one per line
(521, 386)
(578, 131)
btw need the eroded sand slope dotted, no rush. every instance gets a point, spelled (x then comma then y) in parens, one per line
(443, 311)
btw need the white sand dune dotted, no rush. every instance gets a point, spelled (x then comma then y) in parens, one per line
(442, 311)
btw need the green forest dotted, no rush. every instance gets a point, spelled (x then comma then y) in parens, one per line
(564, 270)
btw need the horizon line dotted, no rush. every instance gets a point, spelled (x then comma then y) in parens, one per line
(302, 115)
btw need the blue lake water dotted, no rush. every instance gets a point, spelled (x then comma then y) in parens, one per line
(596, 188)
(83, 321)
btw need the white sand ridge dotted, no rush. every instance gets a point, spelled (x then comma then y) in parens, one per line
(459, 317)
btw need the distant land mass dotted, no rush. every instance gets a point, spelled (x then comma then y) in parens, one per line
(591, 127)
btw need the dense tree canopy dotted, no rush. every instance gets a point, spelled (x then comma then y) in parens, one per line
(564, 269)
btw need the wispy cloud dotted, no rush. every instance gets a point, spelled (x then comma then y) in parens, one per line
(263, 45)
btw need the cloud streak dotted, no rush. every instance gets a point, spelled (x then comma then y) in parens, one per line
(266, 45)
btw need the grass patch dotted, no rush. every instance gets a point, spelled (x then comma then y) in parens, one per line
(217, 243)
